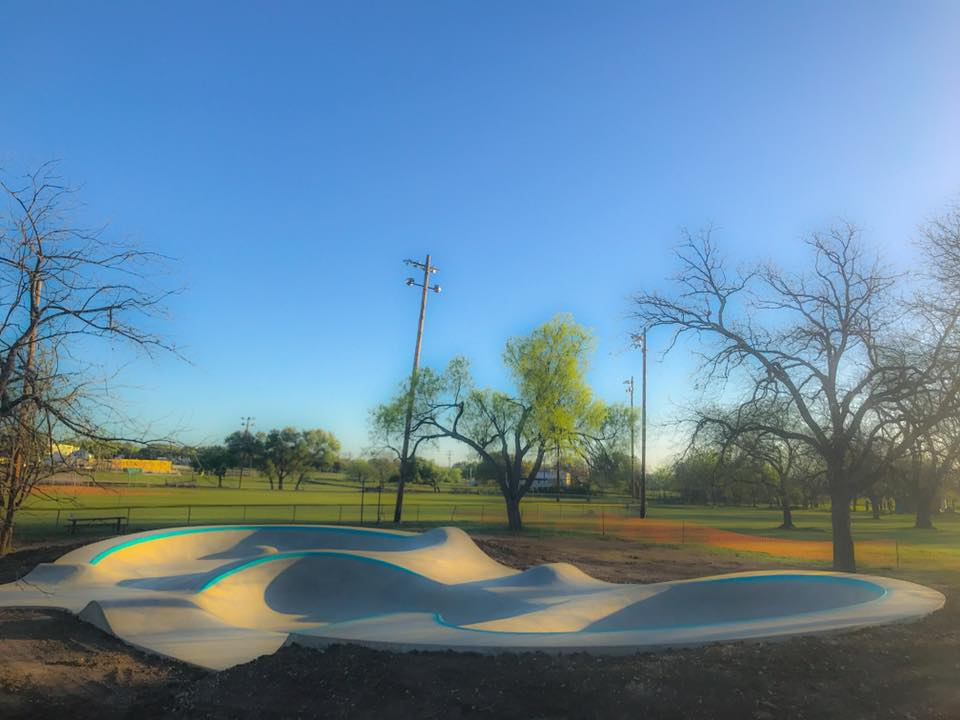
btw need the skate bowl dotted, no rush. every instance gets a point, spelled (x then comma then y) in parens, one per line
(223, 595)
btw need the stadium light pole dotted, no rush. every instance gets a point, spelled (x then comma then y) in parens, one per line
(428, 270)
(245, 422)
(643, 429)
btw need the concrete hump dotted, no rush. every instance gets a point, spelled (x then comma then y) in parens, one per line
(93, 614)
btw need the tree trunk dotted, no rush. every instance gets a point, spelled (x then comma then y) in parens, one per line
(6, 529)
(875, 506)
(514, 519)
(787, 513)
(6, 537)
(843, 555)
(925, 500)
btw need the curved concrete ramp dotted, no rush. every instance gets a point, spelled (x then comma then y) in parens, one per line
(219, 596)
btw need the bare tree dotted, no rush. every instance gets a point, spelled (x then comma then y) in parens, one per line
(61, 289)
(605, 445)
(782, 463)
(929, 417)
(935, 454)
(816, 340)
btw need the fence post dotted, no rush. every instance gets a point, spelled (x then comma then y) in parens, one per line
(58, 519)
(189, 512)
(896, 543)
(453, 512)
(340, 516)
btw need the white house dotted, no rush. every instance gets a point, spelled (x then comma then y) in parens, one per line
(546, 479)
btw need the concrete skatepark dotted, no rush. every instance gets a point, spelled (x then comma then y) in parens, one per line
(223, 595)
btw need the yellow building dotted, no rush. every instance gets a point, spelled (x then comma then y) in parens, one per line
(134, 464)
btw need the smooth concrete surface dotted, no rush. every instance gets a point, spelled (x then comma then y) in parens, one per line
(223, 595)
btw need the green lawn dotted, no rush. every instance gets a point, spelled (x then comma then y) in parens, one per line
(333, 499)
(815, 524)
(328, 499)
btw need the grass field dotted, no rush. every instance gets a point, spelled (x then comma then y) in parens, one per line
(149, 501)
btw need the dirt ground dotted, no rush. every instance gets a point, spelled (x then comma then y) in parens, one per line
(53, 665)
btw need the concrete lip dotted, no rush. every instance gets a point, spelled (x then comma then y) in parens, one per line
(222, 595)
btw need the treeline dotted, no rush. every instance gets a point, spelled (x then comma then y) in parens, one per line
(707, 477)
(382, 470)
(289, 456)
(282, 455)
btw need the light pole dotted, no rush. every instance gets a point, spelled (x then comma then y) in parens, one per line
(363, 493)
(245, 422)
(643, 429)
(428, 269)
(558, 468)
(633, 432)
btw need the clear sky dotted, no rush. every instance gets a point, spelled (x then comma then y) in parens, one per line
(290, 155)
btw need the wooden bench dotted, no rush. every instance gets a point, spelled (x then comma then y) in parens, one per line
(118, 521)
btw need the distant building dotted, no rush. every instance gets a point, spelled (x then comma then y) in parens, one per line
(66, 454)
(546, 479)
(138, 465)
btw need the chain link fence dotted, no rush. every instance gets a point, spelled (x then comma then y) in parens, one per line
(585, 518)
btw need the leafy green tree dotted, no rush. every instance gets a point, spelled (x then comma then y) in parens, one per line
(320, 450)
(284, 455)
(359, 469)
(246, 449)
(430, 473)
(550, 404)
(213, 459)
(383, 468)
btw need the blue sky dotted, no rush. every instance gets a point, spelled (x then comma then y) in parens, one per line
(290, 155)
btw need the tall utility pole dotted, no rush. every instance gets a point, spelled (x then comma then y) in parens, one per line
(643, 431)
(558, 468)
(245, 422)
(428, 269)
(633, 432)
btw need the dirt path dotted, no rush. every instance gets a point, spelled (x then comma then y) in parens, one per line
(52, 665)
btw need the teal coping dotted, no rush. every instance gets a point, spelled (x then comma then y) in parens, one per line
(226, 528)
(882, 593)
(303, 554)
